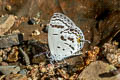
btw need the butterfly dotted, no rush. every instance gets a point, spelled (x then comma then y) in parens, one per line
(64, 37)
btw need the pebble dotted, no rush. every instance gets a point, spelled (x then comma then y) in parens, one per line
(4, 64)
(35, 33)
(23, 72)
(7, 41)
(59, 78)
(8, 7)
(16, 77)
(1, 59)
(31, 21)
(6, 23)
(4, 56)
(9, 69)
(112, 53)
(43, 70)
(13, 55)
(1, 52)
(99, 69)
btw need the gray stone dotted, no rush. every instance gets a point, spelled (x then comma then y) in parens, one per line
(23, 72)
(10, 40)
(6, 23)
(98, 70)
(9, 69)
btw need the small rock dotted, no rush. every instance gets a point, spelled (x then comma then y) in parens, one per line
(15, 32)
(29, 78)
(23, 72)
(8, 7)
(1, 59)
(74, 76)
(8, 49)
(16, 77)
(4, 56)
(43, 69)
(35, 33)
(9, 69)
(6, 23)
(112, 53)
(92, 55)
(10, 40)
(50, 69)
(1, 52)
(31, 21)
(34, 73)
(4, 64)
(99, 69)
(59, 78)
(13, 56)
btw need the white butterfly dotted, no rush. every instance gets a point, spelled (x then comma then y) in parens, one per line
(64, 37)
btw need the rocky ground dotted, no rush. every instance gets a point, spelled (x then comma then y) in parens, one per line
(24, 40)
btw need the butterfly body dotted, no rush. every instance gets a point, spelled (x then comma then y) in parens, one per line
(64, 37)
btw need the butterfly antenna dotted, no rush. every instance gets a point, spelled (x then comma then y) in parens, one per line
(86, 41)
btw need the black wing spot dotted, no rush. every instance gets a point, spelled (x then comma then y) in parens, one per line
(71, 29)
(71, 39)
(57, 26)
(68, 20)
(76, 31)
(55, 34)
(62, 38)
(69, 46)
(62, 22)
(60, 15)
(66, 43)
(64, 31)
(65, 18)
(72, 24)
(63, 49)
(54, 17)
(58, 46)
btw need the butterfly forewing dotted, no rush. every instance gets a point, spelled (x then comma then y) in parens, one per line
(63, 37)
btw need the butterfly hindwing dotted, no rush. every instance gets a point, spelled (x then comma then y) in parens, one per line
(63, 37)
